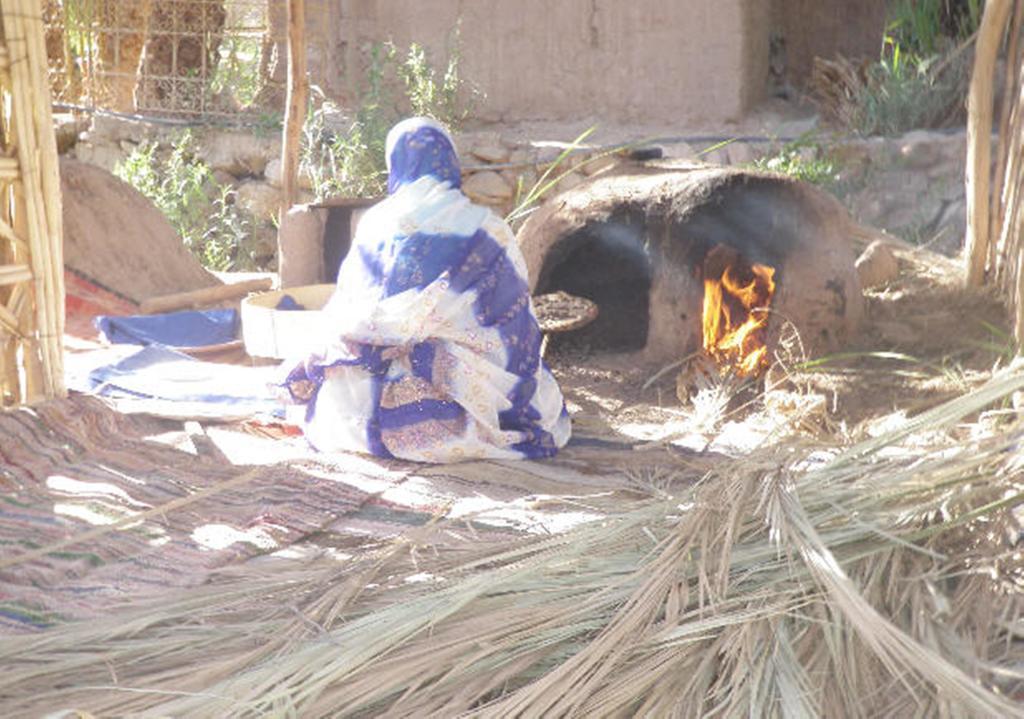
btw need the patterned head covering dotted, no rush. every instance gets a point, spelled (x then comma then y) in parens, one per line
(417, 147)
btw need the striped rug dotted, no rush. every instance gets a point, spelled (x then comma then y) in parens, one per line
(72, 466)
(99, 508)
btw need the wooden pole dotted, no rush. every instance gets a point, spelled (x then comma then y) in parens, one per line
(204, 297)
(295, 113)
(1006, 116)
(979, 138)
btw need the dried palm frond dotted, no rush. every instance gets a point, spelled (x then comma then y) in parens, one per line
(837, 86)
(877, 580)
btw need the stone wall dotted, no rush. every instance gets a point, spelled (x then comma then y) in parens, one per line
(912, 186)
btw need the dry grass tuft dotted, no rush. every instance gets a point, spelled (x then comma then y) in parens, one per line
(875, 580)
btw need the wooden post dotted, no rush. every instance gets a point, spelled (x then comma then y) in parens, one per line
(979, 134)
(295, 113)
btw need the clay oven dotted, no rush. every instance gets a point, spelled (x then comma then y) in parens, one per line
(641, 244)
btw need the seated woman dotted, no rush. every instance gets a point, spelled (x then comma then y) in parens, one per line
(434, 349)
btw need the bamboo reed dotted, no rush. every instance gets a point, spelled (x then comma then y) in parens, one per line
(994, 248)
(31, 244)
(979, 128)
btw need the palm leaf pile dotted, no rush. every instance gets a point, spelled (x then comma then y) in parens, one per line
(883, 579)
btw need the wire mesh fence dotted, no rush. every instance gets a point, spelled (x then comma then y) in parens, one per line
(193, 59)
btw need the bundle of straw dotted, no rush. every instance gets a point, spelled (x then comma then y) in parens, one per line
(874, 581)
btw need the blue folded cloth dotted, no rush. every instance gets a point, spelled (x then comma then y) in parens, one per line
(289, 303)
(173, 384)
(198, 328)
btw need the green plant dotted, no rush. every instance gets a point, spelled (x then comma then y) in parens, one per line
(199, 208)
(79, 18)
(526, 200)
(237, 73)
(920, 78)
(805, 159)
(525, 203)
(351, 162)
(904, 91)
(432, 96)
(925, 28)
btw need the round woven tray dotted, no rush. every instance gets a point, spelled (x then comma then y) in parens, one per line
(562, 312)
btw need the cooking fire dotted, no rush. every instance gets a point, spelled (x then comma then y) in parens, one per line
(700, 264)
(734, 318)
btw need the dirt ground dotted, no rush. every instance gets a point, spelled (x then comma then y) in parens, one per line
(924, 340)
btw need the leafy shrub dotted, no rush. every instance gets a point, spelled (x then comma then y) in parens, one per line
(803, 159)
(904, 91)
(351, 161)
(199, 208)
(925, 28)
(920, 79)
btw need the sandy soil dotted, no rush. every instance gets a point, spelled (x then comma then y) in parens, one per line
(924, 340)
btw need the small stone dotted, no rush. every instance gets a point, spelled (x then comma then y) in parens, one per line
(512, 177)
(483, 146)
(807, 153)
(261, 199)
(877, 265)
(101, 155)
(520, 156)
(487, 187)
(273, 171)
(493, 153)
(920, 150)
(548, 152)
(243, 155)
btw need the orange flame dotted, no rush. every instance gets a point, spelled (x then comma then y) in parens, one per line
(734, 317)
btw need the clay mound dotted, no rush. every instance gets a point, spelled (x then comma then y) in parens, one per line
(639, 242)
(117, 238)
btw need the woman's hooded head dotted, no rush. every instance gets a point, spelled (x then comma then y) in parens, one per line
(421, 147)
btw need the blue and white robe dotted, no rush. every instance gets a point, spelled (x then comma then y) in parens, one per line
(434, 348)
